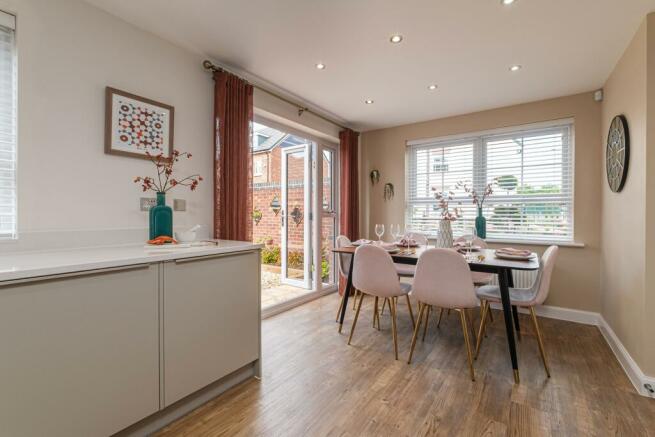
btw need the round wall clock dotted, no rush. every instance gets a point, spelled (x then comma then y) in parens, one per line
(617, 153)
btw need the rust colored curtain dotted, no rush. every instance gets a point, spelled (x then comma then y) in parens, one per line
(233, 112)
(349, 223)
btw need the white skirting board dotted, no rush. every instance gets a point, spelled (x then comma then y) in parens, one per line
(630, 367)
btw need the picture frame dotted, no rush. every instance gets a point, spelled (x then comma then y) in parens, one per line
(135, 124)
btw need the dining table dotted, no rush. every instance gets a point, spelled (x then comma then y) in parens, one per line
(481, 260)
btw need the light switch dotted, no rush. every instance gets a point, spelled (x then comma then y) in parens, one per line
(179, 205)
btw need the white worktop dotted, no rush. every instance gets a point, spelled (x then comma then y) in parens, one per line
(24, 265)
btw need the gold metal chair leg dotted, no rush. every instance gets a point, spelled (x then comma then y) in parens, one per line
(427, 321)
(375, 313)
(411, 313)
(540, 340)
(392, 306)
(355, 298)
(440, 316)
(469, 316)
(421, 310)
(483, 321)
(491, 315)
(384, 302)
(465, 330)
(359, 307)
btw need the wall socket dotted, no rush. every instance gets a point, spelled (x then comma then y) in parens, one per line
(179, 205)
(147, 202)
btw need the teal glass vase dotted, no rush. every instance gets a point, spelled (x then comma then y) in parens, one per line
(481, 225)
(161, 218)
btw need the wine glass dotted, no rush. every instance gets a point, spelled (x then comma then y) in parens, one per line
(379, 231)
(469, 237)
(395, 232)
(408, 233)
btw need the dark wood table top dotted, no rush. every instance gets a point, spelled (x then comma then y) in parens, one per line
(482, 260)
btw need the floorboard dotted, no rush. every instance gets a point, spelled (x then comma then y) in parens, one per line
(315, 385)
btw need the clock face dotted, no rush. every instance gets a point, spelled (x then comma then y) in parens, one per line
(617, 153)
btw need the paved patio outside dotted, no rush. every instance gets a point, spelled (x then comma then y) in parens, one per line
(273, 291)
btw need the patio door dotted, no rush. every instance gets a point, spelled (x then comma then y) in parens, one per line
(295, 216)
(326, 179)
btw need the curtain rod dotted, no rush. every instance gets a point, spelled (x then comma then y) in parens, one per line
(209, 66)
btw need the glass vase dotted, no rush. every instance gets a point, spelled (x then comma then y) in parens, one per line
(481, 225)
(161, 218)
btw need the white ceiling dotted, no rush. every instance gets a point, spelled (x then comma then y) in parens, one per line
(464, 46)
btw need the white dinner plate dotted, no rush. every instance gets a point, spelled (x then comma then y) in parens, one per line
(515, 257)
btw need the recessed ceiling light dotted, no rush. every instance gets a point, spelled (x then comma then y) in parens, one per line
(432, 87)
(507, 2)
(396, 38)
(515, 68)
(320, 66)
(368, 101)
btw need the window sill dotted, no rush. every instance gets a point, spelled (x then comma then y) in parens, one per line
(573, 244)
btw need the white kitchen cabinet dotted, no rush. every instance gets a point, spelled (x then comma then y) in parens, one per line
(79, 353)
(211, 320)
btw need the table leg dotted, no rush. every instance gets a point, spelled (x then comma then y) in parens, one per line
(346, 293)
(503, 281)
(515, 311)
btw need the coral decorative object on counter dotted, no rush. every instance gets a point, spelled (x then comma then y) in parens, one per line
(161, 216)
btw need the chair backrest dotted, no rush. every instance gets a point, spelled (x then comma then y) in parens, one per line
(443, 279)
(421, 239)
(374, 272)
(343, 260)
(477, 241)
(542, 284)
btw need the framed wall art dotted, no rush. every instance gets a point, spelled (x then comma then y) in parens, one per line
(135, 125)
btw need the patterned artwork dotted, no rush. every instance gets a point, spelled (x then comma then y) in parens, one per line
(136, 125)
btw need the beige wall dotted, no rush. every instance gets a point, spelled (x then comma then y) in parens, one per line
(576, 277)
(623, 214)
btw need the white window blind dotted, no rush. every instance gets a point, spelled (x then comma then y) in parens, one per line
(533, 174)
(7, 127)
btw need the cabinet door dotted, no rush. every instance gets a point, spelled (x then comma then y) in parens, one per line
(211, 320)
(79, 354)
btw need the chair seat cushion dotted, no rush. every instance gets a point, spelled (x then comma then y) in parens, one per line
(405, 270)
(517, 296)
(480, 278)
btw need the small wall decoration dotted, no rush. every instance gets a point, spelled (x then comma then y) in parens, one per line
(296, 215)
(257, 216)
(135, 125)
(617, 153)
(388, 191)
(375, 176)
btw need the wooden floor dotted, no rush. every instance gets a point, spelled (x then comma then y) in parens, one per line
(315, 385)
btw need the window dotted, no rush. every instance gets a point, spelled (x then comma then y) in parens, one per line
(259, 167)
(7, 127)
(260, 139)
(531, 168)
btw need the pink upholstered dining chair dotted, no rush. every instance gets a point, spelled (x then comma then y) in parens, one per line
(443, 279)
(524, 298)
(408, 270)
(374, 275)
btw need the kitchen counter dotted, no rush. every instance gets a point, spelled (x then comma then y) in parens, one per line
(124, 338)
(25, 265)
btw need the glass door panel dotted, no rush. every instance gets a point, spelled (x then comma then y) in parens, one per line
(328, 213)
(295, 217)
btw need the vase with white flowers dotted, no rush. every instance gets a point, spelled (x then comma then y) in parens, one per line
(448, 215)
(161, 216)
